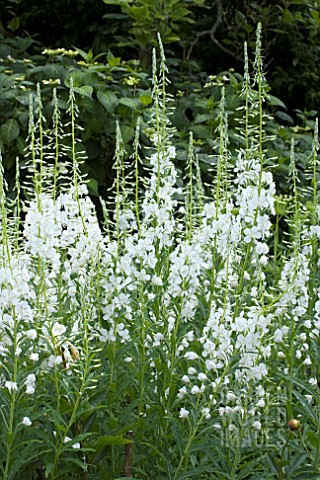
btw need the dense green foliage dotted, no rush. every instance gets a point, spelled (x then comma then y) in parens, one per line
(203, 35)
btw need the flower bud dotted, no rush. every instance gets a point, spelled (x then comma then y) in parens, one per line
(294, 424)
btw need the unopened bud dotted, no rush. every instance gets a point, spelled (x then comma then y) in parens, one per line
(294, 424)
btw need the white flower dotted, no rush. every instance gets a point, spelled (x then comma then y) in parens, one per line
(31, 334)
(57, 360)
(158, 337)
(202, 377)
(309, 398)
(183, 413)
(257, 425)
(31, 378)
(26, 421)
(190, 356)
(231, 396)
(30, 389)
(128, 359)
(58, 329)
(260, 391)
(307, 361)
(195, 390)
(254, 291)
(206, 412)
(278, 336)
(261, 403)
(11, 385)
(190, 336)
(191, 371)
(313, 381)
(157, 282)
(34, 357)
(76, 445)
(182, 392)
(211, 365)
(30, 383)
(264, 260)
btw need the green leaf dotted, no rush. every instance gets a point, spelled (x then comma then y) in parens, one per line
(172, 38)
(315, 14)
(9, 131)
(246, 469)
(195, 471)
(179, 13)
(287, 16)
(109, 100)
(201, 131)
(275, 101)
(14, 24)
(111, 440)
(233, 79)
(115, 16)
(69, 468)
(117, 2)
(93, 186)
(53, 70)
(83, 54)
(273, 464)
(77, 77)
(202, 117)
(127, 133)
(139, 12)
(306, 472)
(132, 103)
(95, 121)
(85, 91)
(308, 410)
(145, 100)
(49, 469)
(284, 116)
(282, 463)
(298, 459)
(101, 446)
(313, 439)
(112, 60)
(65, 407)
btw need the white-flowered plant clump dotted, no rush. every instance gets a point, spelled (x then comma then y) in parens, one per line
(166, 316)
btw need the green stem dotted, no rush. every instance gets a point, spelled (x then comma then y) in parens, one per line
(10, 432)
